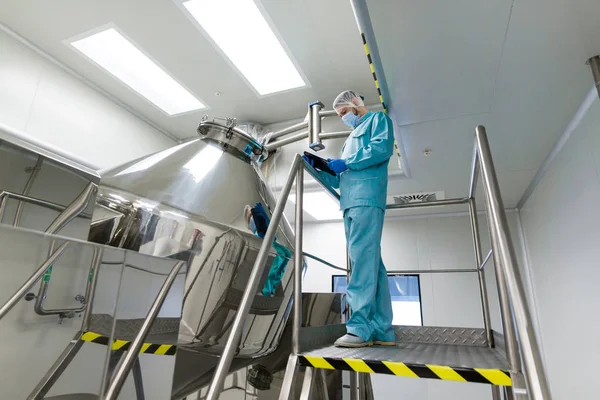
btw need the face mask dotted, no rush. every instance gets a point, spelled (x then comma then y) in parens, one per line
(252, 225)
(350, 119)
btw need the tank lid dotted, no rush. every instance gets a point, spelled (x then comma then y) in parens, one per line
(230, 138)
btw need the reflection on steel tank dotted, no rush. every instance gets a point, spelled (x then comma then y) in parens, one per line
(187, 202)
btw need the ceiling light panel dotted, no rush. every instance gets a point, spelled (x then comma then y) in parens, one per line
(117, 55)
(241, 31)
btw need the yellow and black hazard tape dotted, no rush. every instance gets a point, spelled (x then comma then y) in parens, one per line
(117, 344)
(495, 377)
(372, 66)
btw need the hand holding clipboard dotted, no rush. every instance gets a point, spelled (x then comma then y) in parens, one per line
(318, 163)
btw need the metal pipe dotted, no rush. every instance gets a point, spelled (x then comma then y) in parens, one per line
(314, 126)
(292, 139)
(28, 185)
(289, 129)
(474, 173)
(534, 368)
(14, 299)
(594, 63)
(298, 261)
(75, 208)
(257, 270)
(129, 359)
(485, 304)
(335, 135)
(436, 203)
(489, 254)
(430, 271)
(6, 195)
(328, 113)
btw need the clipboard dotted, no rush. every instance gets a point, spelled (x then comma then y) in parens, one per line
(320, 163)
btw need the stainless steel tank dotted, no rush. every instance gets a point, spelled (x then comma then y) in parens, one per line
(188, 202)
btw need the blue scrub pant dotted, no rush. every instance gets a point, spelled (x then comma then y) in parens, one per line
(368, 293)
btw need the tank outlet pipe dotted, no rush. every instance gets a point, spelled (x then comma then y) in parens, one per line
(594, 64)
(314, 126)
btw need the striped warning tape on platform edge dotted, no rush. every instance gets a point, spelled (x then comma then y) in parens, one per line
(495, 377)
(377, 86)
(147, 348)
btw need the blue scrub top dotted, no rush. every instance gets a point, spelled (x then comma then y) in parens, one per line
(366, 152)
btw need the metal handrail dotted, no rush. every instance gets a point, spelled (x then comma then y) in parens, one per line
(126, 364)
(71, 211)
(36, 276)
(510, 286)
(506, 261)
(6, 195)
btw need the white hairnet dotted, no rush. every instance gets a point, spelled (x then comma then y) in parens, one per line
(348, 98)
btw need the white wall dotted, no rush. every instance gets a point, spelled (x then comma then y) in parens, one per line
(48, 104)
(423, 243)
(561, 221)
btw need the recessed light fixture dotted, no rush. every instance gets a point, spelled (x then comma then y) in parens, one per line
(117, 55)
(241, 31)
(320, 205)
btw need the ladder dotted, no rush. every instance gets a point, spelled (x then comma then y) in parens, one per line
(446, 353)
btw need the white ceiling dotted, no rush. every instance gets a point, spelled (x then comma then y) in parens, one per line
(321, 36)
(517, 67)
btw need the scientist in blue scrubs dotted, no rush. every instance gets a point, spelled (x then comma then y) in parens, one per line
(362, 177)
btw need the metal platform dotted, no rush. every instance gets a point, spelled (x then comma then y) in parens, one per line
(456, 354)
(161, 340)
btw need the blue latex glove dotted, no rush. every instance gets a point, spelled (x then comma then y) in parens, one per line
(337, 165)
(261, 219)
(310, 161)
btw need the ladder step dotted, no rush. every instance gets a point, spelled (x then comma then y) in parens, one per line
(74, 396)
(417, 360)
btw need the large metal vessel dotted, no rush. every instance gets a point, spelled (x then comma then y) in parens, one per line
(189, 202)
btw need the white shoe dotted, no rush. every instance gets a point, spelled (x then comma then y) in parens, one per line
(351, 341)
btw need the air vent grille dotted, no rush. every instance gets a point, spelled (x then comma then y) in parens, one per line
(416, 197)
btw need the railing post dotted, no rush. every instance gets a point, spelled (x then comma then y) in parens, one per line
(128, 361)
(506, 260)
(485, 305)
(251, 288)
(298, 261)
